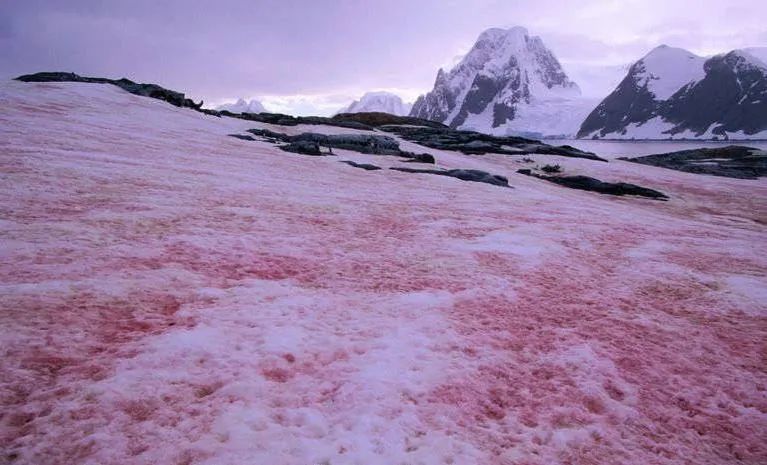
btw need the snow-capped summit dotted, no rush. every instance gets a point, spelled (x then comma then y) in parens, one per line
(666, 69)
(241, 106)
(672, 93)
(509, 82)
(385, 102)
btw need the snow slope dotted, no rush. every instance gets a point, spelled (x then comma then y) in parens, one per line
(385, 102)
(173, 295)
(666, 69)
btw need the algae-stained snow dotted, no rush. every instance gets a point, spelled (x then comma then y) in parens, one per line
(173, 295)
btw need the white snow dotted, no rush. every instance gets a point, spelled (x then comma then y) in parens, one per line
(381, 101)
(668, 69)
(241, 106)
(540, 118)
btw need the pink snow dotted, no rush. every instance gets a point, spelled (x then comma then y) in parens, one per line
(173, 295)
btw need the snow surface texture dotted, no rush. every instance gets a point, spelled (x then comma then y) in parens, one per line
(528, 83)
(241, 106)
(172, 295)
(385, 102)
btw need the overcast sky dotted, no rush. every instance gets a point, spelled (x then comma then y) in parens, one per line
(314, 56)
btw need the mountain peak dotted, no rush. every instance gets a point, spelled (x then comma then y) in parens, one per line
(504, 70)
(666, 69)
(674, 93)
(744, 59)
(378, 101)
(495, 34)
(668, 51)
(243, 106)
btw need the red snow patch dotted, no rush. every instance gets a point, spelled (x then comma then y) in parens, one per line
(70, 340)
(233, 265)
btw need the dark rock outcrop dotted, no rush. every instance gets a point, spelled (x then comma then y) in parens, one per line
(364, 166)
(372, 144)
(475, 143)
(362, 143)
(733, 161)
(145, 90)
(242, 137)
(464, 175)
(587, 183)
(288, 120)
(376, 119)
(303, 147)
(418, 157)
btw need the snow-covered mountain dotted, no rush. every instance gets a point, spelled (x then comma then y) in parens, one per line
(672, 93)
(385, 102)
(241, 106)
(508, 83)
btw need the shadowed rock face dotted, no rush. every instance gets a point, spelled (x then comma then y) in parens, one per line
(146, 90)
(587, 183)
(463, 175)
(733, 161)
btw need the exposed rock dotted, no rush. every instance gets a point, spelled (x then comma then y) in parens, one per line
(288, 120)
(146, 90)
(372, 144)
(243, 137)
(595, 185)
(211, 112)
(364, 166)
(464, 175)
(376, 119)
(304, 147)
(270, 135)
(733, 161)
(418, 157)
(362, 143)
(475, 143)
